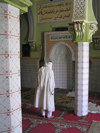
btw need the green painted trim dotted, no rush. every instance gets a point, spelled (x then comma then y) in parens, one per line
(84, 34)
(20, 4)
(26, 2)
(83, 29)
(89, 14)
(24, 9)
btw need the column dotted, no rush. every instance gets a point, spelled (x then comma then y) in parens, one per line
(82, 25)
(81, 78)
(10, 97)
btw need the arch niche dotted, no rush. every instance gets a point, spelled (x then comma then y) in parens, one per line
(60, 49)
(62, 56)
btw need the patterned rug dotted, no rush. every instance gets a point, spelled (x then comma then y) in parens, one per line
(64, 119)
(55, 125)
(61, 100)
(95, 127)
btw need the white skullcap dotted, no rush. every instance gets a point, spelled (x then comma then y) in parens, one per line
(49, 64)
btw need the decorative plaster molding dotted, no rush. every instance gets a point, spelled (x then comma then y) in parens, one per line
(92, 29)
(62, 43)
(50, 44)
(85, 25)
(31, 28)
(71, 29)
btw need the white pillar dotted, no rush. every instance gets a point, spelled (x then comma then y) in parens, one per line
(10, 97)
(81, 78)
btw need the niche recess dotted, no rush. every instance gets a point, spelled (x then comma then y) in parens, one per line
(60, 49)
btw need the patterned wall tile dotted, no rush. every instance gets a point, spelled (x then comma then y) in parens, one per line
(15, 100)
(14, 26)
(14, 64)
(60, 73)
(5, 122)
(13, 11)
(86, 70)
(17, 129)
(4, 44)
(82, 93)
(94, 82)
(28, 73)
(3, 8)
(4, 24)
(86, 59)
(85, 76)
(4, 61)
(85, 81)
(14, 81)
(4, 84)
(10, 64)
(85, 65)
(4, 103)
(14, 46)
(16, 118)
(81, 79)
(80, 82)
(85, 87)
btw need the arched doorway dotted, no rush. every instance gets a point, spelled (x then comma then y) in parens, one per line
(61, 57)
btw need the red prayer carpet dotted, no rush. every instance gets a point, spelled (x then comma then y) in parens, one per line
(64, 120)
(93, 116)
(71, 130)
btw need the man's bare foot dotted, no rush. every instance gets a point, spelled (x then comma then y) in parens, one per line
(50, 117)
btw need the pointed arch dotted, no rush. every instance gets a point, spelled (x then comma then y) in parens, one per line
(63, 43)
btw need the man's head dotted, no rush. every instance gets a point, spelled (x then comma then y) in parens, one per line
(49, 64)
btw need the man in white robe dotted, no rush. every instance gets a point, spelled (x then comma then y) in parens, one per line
(44, 95)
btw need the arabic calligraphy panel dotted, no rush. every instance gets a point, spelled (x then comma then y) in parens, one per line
(53, 12)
